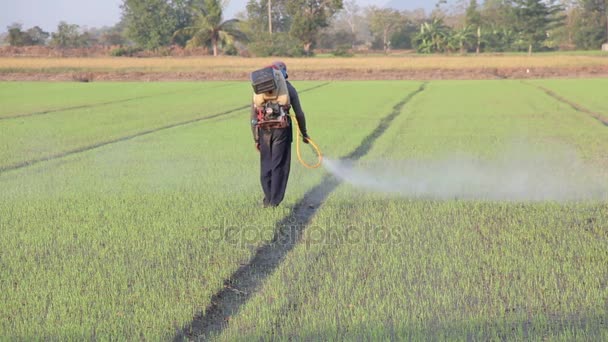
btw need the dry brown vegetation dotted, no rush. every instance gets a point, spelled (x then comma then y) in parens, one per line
(380, 67)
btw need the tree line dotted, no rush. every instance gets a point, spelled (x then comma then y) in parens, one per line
(298, 27)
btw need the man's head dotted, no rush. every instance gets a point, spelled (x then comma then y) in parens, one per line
(279, 65)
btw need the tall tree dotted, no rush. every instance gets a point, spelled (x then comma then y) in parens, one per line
(208, 26)
(68, 36)
(498, 23)
(473, 17)
(37, 35)
(257, 16)
(382, 23)
(151, 23)
(472, 22)
(33, 36)
(564, 35)
(591, 24)
(114, 35)
(16, 37)
(309, 17)
(498, 14)
(350, 14)
(535, 18)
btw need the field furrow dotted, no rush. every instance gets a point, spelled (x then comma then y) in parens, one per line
(246, 281)
(589, 93)
(447, 210)
(28, 99)
(130, 240)
(586, 100)
(84, 106)
(117, 140)
(32, 140)
(434, 238)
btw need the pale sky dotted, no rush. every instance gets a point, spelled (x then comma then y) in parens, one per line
(48, 13)
(90, 13)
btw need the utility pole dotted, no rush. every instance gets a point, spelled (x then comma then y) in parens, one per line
(270, 17)
(606, 13)
(605, 46)
(478, 49)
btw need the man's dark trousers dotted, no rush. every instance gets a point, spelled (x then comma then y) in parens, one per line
(275, 154)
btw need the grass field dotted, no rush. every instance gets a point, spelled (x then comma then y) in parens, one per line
(125, 207)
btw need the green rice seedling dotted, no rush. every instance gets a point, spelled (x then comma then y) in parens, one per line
(389, 263)
(130, 240)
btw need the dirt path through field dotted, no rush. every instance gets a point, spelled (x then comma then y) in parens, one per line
(131, 136)
(91, 105)
(248, 279)
(113, 141)
(600, 117)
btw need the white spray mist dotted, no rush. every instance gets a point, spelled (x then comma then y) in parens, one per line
(511, 177)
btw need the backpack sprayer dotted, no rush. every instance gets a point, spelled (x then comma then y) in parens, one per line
(271, 98)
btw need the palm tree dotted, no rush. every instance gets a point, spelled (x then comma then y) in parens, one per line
(208, 27)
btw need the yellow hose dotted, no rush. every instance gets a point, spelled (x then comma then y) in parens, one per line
(312, 143)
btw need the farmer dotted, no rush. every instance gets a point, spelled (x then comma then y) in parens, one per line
(274, 145)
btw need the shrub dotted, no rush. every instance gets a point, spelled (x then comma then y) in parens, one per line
(280, 44)
(342, 51)
(83, 77)
(125, 51)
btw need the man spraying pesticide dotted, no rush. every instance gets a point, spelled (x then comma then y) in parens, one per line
(271, 125)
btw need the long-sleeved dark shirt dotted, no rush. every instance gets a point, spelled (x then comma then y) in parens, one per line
(294, 100)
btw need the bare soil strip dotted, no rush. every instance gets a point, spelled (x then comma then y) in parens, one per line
(129, 137)
(247, 280)
(598, 116)
(334, 74)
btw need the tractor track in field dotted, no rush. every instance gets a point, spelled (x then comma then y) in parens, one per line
(129, 137)
(113, 141)
(248, 278)
(95, 105)
(598, 116)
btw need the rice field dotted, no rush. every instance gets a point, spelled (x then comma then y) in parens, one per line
(126, 208)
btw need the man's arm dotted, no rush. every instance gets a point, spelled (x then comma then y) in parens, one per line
(254, 120)
(294, 98)
(254, 128)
